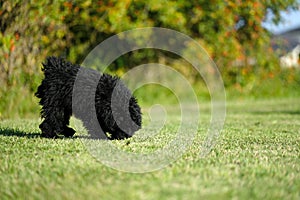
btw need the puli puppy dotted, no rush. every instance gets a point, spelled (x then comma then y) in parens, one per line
(104, 104)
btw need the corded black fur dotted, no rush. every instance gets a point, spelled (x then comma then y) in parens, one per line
(55, 93)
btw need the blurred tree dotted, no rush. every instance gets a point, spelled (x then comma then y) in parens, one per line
(28, 33)
(231, 31)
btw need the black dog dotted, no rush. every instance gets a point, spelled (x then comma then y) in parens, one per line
(119, 116)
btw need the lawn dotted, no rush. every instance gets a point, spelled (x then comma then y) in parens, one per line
(257, 157)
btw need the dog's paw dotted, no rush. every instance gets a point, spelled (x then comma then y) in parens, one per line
(68, 132)
(118, 136)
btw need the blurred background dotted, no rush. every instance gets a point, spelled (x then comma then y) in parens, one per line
(255, 44)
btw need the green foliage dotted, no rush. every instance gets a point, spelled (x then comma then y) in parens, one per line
(230, 31)
(264, 83)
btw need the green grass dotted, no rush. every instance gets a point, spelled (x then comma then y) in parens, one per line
(257, 157)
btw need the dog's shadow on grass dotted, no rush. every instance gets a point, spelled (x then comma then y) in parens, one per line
(17, 133)
(8, 132)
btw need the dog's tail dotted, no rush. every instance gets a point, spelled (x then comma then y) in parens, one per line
(54, 65)
(55, 69)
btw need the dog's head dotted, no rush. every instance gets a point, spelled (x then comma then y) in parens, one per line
(117, 109)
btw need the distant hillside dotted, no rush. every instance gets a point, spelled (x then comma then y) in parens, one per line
(286, 41)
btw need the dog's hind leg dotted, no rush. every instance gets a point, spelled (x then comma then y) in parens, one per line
(54, 122)
(67, 132)
(47, 130)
